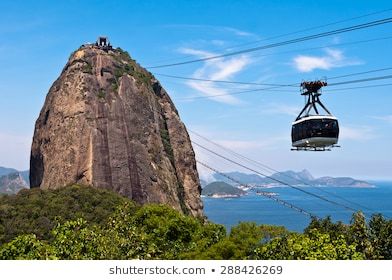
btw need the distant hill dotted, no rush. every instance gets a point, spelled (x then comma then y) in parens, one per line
(242, 177)
(342, 181)
(203, 183)
(221, 189)
(12, 183)
(25, 175)
(303, 177)
(6, 170)
(12, 180)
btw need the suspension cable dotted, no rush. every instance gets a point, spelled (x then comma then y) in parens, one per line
(265, 194)
(292, 41)
(276, 180)
(285, 35)
(267, 84)
(275, 87)
(270, 169)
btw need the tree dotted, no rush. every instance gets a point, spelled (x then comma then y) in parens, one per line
(359, 234)
(311, 246)
(335, 230)
(380, 235)
(75, 240)
(85, 223)
(38, 211)
(241, 243)
(27, 247)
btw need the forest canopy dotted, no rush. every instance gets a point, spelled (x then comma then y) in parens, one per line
(80, 222)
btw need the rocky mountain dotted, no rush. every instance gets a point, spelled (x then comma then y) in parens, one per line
(293, 178)
(108, 123)
(6, 170)
(221, 189)
(12, 183)
(242, 177)
(26, 176)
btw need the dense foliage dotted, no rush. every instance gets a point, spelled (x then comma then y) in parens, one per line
(86, 223)
(36, 211)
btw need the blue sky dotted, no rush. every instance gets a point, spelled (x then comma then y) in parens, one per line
(37, 38)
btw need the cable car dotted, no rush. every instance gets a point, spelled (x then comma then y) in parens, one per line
(314, 132)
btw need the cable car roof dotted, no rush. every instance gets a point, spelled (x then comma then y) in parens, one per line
(315, 117)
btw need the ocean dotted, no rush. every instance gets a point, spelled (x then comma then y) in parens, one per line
(261, 210)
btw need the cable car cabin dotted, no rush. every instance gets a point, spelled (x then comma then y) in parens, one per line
(315, 132)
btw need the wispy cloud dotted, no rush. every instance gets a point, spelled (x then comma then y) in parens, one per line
(281, 109)
(332, 59)
(216, 69)
(387, 118)
(251, 145)
(198, 53)
(239, 32)
(214, 28)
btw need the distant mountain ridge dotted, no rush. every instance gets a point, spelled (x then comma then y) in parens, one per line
(303, 177)
(12, 180)
(6, 170)
(12, 183)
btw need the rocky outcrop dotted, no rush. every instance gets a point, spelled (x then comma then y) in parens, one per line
(108, 123)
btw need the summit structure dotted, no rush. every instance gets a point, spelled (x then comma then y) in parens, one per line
(108, 123)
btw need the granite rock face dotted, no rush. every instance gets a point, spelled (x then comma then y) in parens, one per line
(108, 123)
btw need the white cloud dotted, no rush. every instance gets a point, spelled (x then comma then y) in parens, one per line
(216, 69)
(216, 93)
(214, 28)
(281, 109)
(387, 118)
(332, 59)
(198, 53)
(249, 146)
(239, 32)
(225, 69)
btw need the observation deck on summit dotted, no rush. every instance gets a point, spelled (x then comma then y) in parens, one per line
(103, 43)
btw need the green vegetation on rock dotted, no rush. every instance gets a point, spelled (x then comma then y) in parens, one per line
(101, 93)
(87, 68)
(166, 144)
(130, 67)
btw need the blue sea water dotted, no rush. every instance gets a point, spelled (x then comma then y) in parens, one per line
(259, 209)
